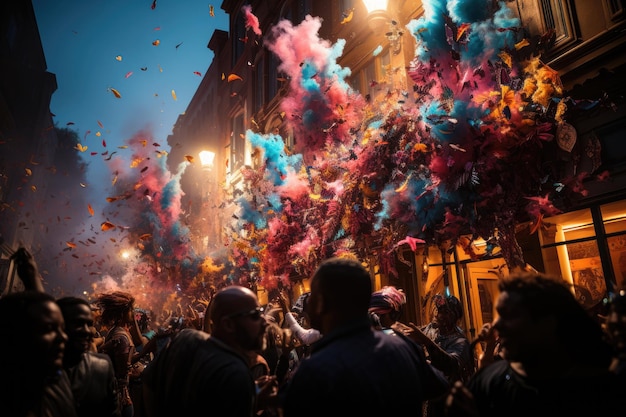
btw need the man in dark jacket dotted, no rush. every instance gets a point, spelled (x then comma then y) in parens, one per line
(353, 369)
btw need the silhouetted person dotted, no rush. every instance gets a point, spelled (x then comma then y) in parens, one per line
(211, 374)
(353, 370)
(32, 344)
(555, 357)
(91, 374)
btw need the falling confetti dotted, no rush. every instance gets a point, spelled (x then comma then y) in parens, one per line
(107, 226)
(116, 93)
(80, 147)
(156, 42)
(174, 95)
(347, 16)
(119, 57)
(234, 77)
(198, 73)
(211, 10)
(91, 212)
(128, 74)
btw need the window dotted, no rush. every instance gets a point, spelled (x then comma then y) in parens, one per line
(557, 16)
(239, 38)
(272, 76)
(573, 247)
(260, 97)
(237, 143)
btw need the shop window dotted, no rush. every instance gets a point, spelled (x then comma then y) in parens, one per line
(572, 248)
(614, 219)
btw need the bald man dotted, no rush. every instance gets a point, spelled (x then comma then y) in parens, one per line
(198, 371)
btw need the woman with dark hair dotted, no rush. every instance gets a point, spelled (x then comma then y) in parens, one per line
(118, 314)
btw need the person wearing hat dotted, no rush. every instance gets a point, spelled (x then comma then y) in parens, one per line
(386, 307)
(445, 345)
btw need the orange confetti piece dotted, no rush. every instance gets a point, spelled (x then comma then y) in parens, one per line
(70, 244)
(90, 209)
(189, 158)
(122, 147)
(33, 188)
(107, 226)
(174, 95)
(156, 42)
(234, 77)
(211, 10)
(347, 17)
(119, 57)
(145, 236)
(144, 143)
(80, 147)
(116, 93)
(28, 171)
(98, 133)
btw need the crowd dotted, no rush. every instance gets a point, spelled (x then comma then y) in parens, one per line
(340, 349)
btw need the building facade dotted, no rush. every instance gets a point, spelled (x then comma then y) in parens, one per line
(243, 88)
(27, 136)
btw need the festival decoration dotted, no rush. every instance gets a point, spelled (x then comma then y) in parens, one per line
(470, 149)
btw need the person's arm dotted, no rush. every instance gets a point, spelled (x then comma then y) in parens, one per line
(27, 270)
(488, 336)
(449, 363)
(306, 336)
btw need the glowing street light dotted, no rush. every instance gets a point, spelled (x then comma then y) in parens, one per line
(379, 19)
(377, 14)
(206, 159)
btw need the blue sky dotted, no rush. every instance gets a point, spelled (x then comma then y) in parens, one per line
(93, 46)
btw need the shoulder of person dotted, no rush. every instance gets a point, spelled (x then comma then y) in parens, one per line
(97, 357)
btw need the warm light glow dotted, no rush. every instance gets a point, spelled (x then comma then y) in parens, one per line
(125, 254)
(379, 19)
(373, 5)
(206, 159)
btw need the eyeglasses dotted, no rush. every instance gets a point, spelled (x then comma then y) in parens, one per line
(253, 314)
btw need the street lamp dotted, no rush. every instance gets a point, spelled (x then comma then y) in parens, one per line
(206, 160)
(379, 18)
(377, 14)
